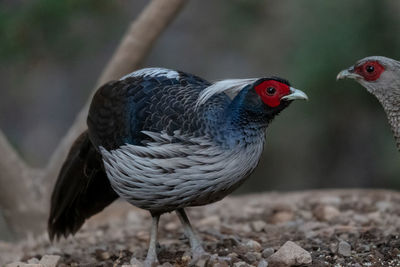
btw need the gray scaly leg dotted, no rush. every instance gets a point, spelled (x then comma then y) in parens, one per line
(152, 253)
(195, 244)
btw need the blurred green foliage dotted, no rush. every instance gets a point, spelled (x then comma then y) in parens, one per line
(33, 28)
(336, 35)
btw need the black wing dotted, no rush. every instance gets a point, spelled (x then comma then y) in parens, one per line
(122, 109)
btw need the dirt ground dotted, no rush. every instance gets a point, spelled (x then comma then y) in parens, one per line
(337, 227)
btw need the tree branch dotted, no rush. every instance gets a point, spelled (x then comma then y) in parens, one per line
(18, 198)
(12, 169)
(133, 49)
(140, 38)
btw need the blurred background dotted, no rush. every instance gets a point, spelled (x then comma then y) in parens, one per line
(52, 52)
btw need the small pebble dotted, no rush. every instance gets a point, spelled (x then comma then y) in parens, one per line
(258, 226)
(290, 254)
(171, 226)
(143, 236)
(250, 257)
(186, 257)
(50, 260)
(240, 264)
(210, 221)
(102, 255)
(375, 217)
(383, 206)
(344, 248)
(329, 200)
(361, 219)
(326, 212)
(253, 245)
(333, 247)
(282, 217)
(232, 255)
(220, 264)
(262, 263)
(241, 249)
(365, 248)
(267, 252)
(33, 261)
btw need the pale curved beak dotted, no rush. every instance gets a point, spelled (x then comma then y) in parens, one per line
(295, 94)
(348, 73)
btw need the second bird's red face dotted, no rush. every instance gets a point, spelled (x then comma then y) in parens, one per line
(271, 92)
(370, 70)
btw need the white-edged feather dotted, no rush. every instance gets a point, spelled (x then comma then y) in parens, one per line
(165, 176)
(155, 72)
(231, 87)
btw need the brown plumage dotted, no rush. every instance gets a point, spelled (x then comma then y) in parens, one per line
(381, 77)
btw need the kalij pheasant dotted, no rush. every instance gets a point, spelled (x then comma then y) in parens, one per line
(381, 77)
(164, 140)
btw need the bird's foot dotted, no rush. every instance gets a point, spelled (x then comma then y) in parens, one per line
(148, 262)
(199, 254)
(223, 237)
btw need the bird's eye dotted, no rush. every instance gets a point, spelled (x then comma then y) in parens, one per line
(271, 90)
(370, 68)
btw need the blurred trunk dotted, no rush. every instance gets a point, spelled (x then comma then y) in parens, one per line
(20, 203)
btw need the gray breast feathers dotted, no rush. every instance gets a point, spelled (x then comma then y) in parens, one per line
(166, 175)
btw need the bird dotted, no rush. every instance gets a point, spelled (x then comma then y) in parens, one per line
(164, 140)
(381, 77)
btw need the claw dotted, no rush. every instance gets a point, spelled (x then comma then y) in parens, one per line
(207, 257)
(150, 262)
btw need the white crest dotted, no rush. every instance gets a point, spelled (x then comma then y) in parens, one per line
(155, 72)
(231, 87)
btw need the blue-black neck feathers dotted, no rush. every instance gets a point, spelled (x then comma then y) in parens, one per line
(246, 116)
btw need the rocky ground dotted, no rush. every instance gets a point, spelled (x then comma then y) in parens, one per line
(314, 228)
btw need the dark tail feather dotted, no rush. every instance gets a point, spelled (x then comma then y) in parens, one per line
(82, 189)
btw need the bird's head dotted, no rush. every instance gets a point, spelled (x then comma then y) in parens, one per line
(379, 75)
(264, 98)
(254, 99)
(261, 100)
(274, 92)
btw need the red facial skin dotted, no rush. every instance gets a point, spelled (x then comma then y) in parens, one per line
(370, 70)
(272, 99)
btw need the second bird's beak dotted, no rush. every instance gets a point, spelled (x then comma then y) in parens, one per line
(348, 73)
(295, 94)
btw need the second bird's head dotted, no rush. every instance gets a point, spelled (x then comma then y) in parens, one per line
(379, 75)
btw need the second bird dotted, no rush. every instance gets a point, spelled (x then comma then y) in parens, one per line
(381, 77)
(164, 140)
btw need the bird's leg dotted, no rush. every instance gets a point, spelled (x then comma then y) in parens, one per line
(197, 249)
(152, 252)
